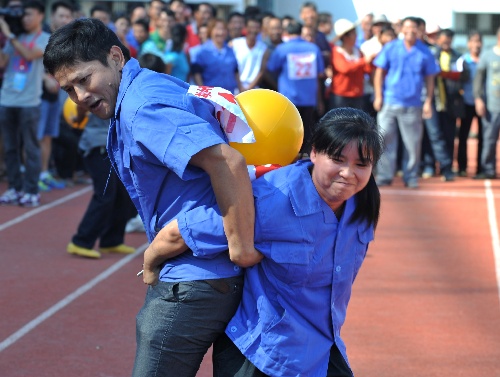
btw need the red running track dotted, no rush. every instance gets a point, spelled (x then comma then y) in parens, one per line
(426, 302)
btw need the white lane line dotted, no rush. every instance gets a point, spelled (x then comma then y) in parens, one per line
(69, 299)
(450, 194)
(45, 207)
(492, 219)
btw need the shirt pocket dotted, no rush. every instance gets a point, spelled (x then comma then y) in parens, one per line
(291, 262)
(365, 236)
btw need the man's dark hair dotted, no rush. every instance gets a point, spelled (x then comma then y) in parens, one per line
(152, 62)
(473, 33)
(144, 23)
(99, 8)
(34, 4)
(447, 33)
(61, 4)
(309, 4)
(387, 28)
(234, 14)
(82, 40)
(253, 19)
(416, 20)
(212, 8)
(294, 28)
(251, 10)
(169, 12)
(324, 17)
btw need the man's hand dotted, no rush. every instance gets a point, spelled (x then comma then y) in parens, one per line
(427, 109)
(377, 104)
(480, 107)
(4, 27)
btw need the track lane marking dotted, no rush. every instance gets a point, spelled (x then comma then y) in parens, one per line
(492, 220)
(43, 208)
(69, 299)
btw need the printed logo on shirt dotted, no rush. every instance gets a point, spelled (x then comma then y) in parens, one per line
(302, 66)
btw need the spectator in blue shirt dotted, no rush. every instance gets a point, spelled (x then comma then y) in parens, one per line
(294, 302)
(299, 66)
(403, 66)
(168, 149)
(213, 63)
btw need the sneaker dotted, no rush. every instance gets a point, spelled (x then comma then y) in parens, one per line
(462, 173)
(411, 185)
(485, 176)
(427, 173)
(51, 182)
(29, 200)
(448, 176)
(11, 196)
(120, 249)
(134, 225)
(42, 187)
(82, 251)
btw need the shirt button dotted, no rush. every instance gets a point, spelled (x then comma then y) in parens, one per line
(234, 328)
(236, 268)
(338, 268)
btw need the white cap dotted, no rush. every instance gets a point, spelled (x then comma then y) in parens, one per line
(380, 19)
(343, 26)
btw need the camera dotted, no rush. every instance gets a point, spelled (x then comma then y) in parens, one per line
(13, 17)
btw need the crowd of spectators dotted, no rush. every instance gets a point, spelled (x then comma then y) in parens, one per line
(359, 67)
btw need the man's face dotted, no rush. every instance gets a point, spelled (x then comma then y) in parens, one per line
(154, 10)
(140, 34)
(410, 32)
(92, 85)
(62, 16)
(178, 8)
(475, 44)
(32, 19)
(102, 16)
(275, 30)
(203, 15)
(235, 26)
(253, 29)
(444, 42)
(309, 17)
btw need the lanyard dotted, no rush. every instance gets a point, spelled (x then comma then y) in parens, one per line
(22, 62)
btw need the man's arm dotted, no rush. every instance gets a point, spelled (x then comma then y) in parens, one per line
(167, 244)
(231, 184)
(478, 91)
(378, 83)
(429, 86)
(27, 53)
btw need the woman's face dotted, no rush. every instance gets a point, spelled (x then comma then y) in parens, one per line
(219, 34)
(337, 180)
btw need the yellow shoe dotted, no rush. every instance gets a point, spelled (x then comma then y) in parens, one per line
(120, 249)
(82, 251)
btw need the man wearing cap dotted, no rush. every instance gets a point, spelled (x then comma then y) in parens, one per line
(403, 66)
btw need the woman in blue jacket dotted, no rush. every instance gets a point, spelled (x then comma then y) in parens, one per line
(314, 221)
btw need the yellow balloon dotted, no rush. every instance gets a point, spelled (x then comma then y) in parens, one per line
(276, 124)
(69, 112)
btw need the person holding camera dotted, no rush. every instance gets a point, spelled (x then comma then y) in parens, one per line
(20, 101)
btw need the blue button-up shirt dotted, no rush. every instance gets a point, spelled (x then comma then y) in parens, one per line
(406, 72)
(155, 131)
(294, 302)
(298, 64)
(217, 67)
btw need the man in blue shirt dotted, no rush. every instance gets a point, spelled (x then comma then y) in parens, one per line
(168, 149)
(299, 66)
(403, 66)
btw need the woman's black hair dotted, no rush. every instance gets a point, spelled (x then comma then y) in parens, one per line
(178, 33)
(82, 40)
(334, 131)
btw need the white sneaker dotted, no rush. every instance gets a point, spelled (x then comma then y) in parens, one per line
(11, 196)
(134, 225)
(29, 200)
